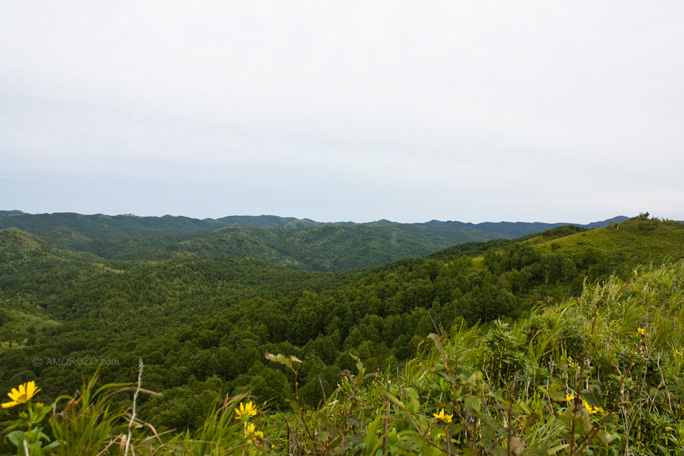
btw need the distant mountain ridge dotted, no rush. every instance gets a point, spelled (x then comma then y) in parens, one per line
(134, 223)
(297, 243)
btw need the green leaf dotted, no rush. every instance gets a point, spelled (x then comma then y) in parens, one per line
(438, 344)
(393, 398)
(555, 393)
(17, 438)
(585, 419)
(555, 450)
(592, 395)
(605, 437)
(38, 413)
(473, 403)
(52, 446)
(539, 449)
(530, 420)
(414, 401)
(474, 379)
(372, 440)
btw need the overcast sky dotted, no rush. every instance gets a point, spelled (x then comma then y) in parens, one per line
(475, 111)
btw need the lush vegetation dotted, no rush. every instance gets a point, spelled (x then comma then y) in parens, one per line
(598, 374)
(481, 342)
(295, 243)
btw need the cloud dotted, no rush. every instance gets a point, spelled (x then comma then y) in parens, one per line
(464, 110)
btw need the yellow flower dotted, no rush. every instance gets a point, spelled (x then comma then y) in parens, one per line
(443, 417)
(252, 434)
(245, 410)
(19, 396)
(592, 410)
(641, 331)
(569, 397)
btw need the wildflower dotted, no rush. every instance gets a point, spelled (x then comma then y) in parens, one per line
(252, 434)
(245, 410)
(443, 417)
(678, 352)
(569, 397)
(592, 410)
(641, 331)
(21, 395)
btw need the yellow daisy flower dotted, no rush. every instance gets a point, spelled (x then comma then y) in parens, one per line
(22, 394)
(245, 410)
(252, 434)
(443, 417)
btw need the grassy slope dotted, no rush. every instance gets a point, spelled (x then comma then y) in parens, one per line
(634, 240)
(629, 242)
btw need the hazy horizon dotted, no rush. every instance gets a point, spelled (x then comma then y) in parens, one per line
(129, 214)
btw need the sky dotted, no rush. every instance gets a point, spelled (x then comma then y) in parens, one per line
(551, 111)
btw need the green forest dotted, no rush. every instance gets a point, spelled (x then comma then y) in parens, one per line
(282, 336)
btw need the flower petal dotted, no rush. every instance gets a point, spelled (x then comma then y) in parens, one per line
(31, 389)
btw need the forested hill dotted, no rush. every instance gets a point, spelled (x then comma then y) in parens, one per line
(296, 243)
(202, 325)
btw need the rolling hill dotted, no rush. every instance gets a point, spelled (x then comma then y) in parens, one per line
(502, 322)
(296, 243)
(202, 321)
